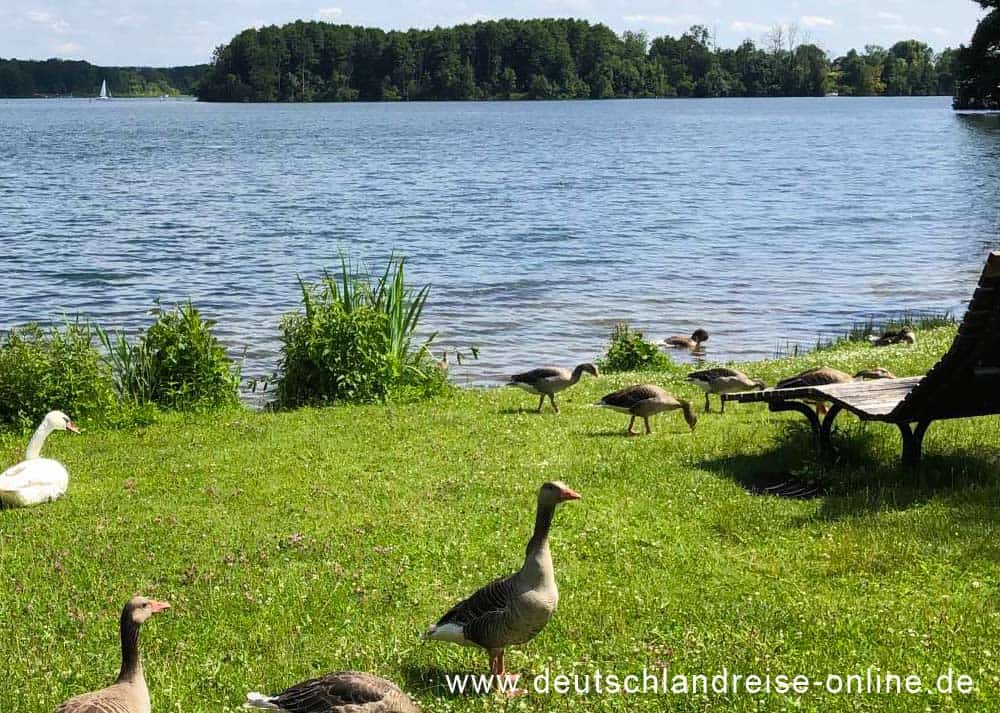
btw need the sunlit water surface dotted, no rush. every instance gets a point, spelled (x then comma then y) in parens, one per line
(539, 225)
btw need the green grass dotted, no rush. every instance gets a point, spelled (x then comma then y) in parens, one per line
(296, 543)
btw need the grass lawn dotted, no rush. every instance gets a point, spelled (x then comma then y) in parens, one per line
(296, 543)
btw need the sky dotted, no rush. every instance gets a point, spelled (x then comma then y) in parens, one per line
(176, 32)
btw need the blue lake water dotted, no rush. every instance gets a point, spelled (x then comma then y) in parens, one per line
(539, 225)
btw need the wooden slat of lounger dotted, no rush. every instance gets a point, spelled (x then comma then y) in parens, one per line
(876, 398)
(871, 398)
(876, 386)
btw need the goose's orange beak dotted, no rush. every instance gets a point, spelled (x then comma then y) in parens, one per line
(72, 427)
(568, 494)
(158, 606)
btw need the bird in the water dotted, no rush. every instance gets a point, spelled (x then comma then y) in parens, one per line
(693, 342)
(722, 380)
(511, 610)
(549, 381)
(643, 401)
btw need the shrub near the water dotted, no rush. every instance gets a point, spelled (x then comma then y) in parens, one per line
(57, 368)
(629, 351)
(190, 368)
(176, 364)
(353, 341)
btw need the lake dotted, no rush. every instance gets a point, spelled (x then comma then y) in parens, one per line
(539, 224)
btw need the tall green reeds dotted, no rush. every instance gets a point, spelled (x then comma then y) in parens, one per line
(355, 339)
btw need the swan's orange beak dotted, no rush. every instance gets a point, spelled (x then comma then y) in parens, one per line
(158, 606)
(568, 494)
(72, 427)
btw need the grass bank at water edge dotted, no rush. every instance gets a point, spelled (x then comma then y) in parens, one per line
(295, 543)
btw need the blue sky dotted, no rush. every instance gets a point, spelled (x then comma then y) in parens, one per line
(171, 32)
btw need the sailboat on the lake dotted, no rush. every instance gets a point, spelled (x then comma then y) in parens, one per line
(104, 90)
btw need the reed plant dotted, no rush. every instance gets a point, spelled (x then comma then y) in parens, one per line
(176, 364)
(356, 339)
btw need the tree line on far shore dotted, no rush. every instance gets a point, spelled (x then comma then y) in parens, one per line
(58, 77)
(553, 59)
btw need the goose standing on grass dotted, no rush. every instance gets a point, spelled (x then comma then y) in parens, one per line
(511, 610)
(549, 381)
(721, 381)
(643, 401)
(37, 480)
(341, 692)
(128, 694)
(679, 341)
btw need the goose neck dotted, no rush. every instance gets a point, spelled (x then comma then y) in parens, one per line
(131, 663)
(537, 557)
(540, 537)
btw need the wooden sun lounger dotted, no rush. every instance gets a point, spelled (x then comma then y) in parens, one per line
(963, 384)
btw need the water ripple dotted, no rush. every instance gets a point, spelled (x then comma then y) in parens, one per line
(538, 224)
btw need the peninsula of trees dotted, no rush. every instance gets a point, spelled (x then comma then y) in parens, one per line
(58, 77)
(549, 59)
(979, 63)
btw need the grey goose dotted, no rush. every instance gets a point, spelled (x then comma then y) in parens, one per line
(128, 694)
(906, 335)
(549, 381)
(723, 380)
(511, 610)
(644, 401)
(340, 692)
(679, 341)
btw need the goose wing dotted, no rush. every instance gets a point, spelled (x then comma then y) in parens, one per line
(97, 702)
(710, 375)
(336, 692)
(632, 396)
(814, 377)
(482, 617)
(536, 375)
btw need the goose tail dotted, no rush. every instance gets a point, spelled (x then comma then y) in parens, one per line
(259, 701)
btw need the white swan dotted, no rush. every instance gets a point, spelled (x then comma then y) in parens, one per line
(37, 480)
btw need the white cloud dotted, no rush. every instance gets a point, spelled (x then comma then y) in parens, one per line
(132, 21)
(748, 26)
(68, 48)
(572, 5)
(56, 24)
(817, 21)
(900, 28)
(888, 16)
(662, 19)
(329, 13)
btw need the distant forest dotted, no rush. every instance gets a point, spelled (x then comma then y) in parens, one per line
(552, 59)
(58, 77)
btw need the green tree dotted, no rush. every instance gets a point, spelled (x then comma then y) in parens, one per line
(540, 88)
(978, 63)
